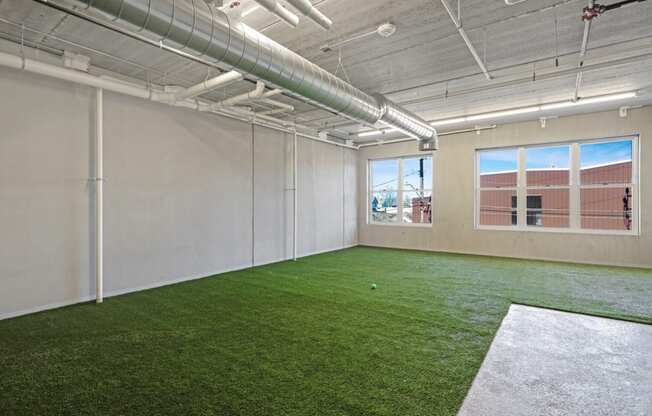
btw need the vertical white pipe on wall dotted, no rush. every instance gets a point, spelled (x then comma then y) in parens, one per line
(295, 200)
(99, 195)
(253, 195)
(343, 198)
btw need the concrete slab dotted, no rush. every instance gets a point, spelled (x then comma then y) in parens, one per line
(545, 362)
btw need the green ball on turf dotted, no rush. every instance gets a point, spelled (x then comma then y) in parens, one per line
(373, 286)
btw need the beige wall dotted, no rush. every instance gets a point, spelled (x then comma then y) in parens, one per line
(453, 212)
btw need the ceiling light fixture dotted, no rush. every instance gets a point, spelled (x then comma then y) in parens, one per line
(533, 109)
(515, 111)
(506, 113)
(370, 133)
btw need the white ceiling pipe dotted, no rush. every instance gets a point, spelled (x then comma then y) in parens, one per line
(286, 107)
(272, 112)
(134, 90)
(585, 43)
(462, 32)
(306, 8)
(79, 77)
(251, 95)
(284, 14)
(209, 85)
(271, 93)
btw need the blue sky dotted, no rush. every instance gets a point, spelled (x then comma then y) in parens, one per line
(547, 157)
(498, 160)
(591, 154)
(385, 174)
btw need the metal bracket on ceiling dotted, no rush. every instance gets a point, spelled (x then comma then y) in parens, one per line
(589, 13)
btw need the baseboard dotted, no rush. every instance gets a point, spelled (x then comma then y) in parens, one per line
(48, 306)
(118, 292)
(537, 258)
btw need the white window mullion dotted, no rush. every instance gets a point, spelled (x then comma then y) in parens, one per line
(476, 202)
(574, 204)
(635, 188)
(399, 192)
(370, 191)
(521, 190)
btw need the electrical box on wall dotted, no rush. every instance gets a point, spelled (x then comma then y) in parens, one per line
(76, 61)
(429, 146)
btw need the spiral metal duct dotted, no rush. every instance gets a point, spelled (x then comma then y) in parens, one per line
(195, 27)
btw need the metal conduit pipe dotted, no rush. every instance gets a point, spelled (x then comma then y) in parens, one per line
(207, 32)
(307, 9)
(583, 47)
(276, 8)
(458, 25)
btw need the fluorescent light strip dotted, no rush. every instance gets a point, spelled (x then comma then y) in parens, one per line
(533, 109)
(370, 133)
(593, 100)
(506, 113)
(516, 111)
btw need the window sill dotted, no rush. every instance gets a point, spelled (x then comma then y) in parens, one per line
(400, 224)
(557, 230)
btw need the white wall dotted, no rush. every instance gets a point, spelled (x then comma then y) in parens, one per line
(453, 196)
(178, 194)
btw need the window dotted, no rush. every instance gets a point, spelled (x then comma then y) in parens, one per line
(547, 172)
(578, 186)
(606, 191)
(497, 192)
(400, 190)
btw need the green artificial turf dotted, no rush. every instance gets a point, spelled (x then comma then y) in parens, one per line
(296, 338)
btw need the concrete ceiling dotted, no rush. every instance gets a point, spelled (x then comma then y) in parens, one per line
(531, 50)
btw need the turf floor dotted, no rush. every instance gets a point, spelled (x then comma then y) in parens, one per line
(296, 338)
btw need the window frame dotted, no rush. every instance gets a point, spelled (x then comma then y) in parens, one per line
(400, 190)
(574, 188)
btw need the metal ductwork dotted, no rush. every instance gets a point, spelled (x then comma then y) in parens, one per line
(208, 32)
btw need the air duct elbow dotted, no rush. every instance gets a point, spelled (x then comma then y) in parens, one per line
(407, 122)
